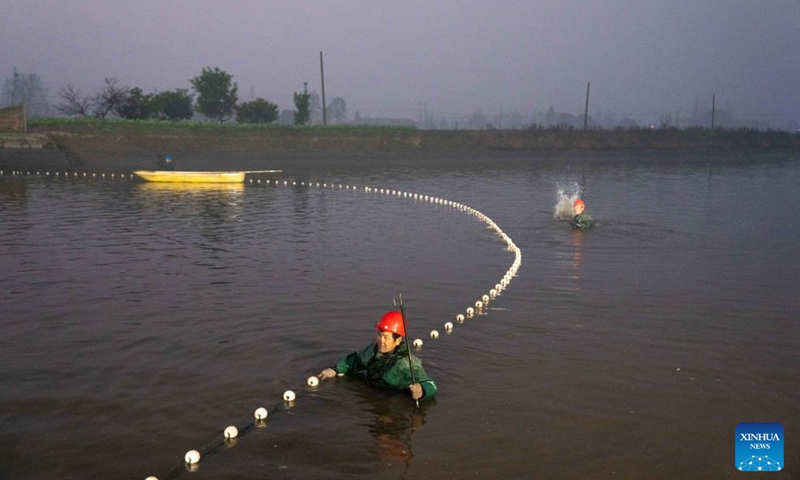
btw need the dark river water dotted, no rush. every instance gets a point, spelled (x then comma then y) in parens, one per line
(140, 320)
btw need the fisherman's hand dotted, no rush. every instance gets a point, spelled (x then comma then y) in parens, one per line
(327, 373)
(416, 391)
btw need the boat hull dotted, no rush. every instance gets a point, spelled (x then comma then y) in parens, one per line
(190, 177)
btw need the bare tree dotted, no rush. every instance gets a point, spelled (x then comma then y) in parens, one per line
(27, 89)
(72, 102)
(110, 97)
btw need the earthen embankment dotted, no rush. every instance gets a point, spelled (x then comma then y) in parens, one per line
(112, 146)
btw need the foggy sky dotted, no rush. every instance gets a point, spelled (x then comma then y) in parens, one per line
(388, 58)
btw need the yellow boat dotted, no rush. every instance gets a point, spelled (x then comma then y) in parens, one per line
(193, 187)
(190, 177)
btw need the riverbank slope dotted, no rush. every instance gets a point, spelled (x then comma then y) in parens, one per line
(123, 146)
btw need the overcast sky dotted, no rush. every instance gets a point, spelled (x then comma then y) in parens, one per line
(386, 58)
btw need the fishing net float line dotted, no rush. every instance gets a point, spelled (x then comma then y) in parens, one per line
(470, 311)
(231, 433)
(192, 457)
(67, 174)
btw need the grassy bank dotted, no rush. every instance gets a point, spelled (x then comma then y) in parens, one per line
(119, 134)
(124, 146)
(87, 138)
(99, 126)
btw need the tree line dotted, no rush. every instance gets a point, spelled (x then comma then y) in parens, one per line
(213, 95)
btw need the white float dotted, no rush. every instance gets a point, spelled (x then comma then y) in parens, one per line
(231, 432)
(261, 413)
(192, 457)
(289, 396)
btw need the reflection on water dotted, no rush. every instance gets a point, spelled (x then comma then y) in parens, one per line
(214, 206)
(214, 200)
(395, 421)
(13, 192)
(577, 256)
(191, 187)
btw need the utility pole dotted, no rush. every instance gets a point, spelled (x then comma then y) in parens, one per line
(322, 75)
(713, 109)
(586, 108)
(14, 88)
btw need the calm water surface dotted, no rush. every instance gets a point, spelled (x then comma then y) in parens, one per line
(138, 320)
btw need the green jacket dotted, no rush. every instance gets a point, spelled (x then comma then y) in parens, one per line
(582, 221)
(387, 370)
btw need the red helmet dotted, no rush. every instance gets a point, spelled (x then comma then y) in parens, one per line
(392, 321)
(579, 202)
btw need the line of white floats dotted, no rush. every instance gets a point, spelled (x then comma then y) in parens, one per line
(192, 457)
(122, 176)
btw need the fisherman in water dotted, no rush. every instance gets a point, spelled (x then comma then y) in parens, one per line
(385, 363)
(168, 164)
(581, 220)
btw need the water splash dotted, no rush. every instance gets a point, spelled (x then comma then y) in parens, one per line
(565, 196)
